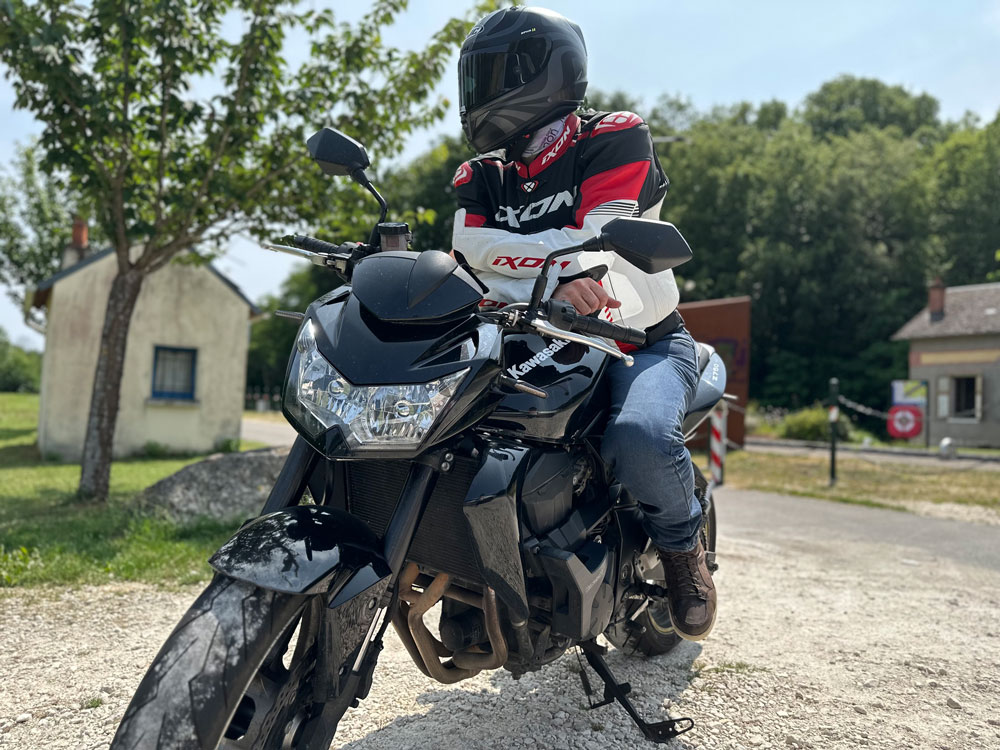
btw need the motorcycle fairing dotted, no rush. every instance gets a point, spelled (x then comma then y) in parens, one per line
(490, 509)
(305, 549)
(571, 376)
(427, 287)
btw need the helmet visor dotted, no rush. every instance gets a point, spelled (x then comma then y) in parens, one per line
(485, 75)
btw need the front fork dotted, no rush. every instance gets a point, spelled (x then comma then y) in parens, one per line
(351, 678)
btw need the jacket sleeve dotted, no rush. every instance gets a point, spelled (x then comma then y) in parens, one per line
(620, 176)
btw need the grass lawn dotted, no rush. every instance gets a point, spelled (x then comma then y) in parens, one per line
(862, 482)
(48, 536)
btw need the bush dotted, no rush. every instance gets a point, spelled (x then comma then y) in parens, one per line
(15, 563)
(227, 445)
(20, 370)
(810, 424)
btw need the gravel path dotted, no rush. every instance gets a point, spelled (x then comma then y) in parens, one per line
(820, 643)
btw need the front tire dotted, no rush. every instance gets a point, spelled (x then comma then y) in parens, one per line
(229, 675)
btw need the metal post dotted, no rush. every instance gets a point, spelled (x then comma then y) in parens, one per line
(717, 442)
(834, 415)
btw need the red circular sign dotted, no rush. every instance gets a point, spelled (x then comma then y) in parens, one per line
(905, 421)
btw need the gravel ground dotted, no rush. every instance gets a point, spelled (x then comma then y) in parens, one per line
(883, 649)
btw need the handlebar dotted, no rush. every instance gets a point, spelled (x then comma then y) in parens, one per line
(314, 245)
(564, 315)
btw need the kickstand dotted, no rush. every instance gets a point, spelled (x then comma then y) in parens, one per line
(659, 732)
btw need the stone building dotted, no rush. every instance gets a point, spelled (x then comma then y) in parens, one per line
(955, 348)
(185, 361)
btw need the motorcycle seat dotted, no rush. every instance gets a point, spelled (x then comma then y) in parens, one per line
(705, 353)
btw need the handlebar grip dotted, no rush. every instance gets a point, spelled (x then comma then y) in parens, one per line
(314, 245)
(598, 327)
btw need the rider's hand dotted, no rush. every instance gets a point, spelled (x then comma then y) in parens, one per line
(586, 295)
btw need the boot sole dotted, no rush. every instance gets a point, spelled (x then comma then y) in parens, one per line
(689, 637)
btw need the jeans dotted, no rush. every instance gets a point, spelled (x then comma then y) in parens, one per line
(643, 441)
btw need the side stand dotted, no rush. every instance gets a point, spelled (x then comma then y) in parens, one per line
(660, 732)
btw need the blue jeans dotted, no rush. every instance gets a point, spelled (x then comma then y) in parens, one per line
(643, 442)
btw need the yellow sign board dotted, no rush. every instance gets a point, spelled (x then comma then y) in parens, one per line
(912, 392)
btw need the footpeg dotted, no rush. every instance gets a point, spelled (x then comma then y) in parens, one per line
(660, 732)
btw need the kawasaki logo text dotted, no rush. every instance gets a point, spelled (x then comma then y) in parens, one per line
(525, 367)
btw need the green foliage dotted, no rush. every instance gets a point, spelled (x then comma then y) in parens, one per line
(20, 370)
(113, 86)
(36, 218)
(424, 188)
(848, 104)
(810, 424)
(167, 172)
(15, 563)
(229, 445)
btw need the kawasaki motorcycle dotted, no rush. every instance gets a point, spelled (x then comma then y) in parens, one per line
(446, 456)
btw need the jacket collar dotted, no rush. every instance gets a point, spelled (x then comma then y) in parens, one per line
(552, 154)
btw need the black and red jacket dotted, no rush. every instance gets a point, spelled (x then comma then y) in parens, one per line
(512, 215)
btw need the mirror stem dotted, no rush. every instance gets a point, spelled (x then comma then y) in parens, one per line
(359, 176)
(594, 244)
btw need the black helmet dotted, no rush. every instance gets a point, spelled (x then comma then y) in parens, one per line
(519, 69)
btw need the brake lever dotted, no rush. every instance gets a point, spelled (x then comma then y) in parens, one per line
(546, 328)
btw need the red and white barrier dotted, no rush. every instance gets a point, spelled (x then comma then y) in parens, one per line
(717, 442)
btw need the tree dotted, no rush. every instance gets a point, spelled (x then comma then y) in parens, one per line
(847, 104)
(965, 174)
(271, 339)
(36, 216)
(169, 173)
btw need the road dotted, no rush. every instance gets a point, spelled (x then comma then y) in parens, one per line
(785, 520)
(274, 433)
(839, 627)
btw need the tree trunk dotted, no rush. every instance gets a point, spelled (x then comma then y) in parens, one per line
(95, 471)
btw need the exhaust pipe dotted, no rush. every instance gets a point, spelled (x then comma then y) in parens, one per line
(426, 650)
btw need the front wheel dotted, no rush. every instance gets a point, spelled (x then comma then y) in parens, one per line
(235, 673)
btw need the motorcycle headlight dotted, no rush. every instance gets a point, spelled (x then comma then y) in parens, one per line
(371, 417)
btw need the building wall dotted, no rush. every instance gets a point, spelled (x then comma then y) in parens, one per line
(961, 356)
(725, 324)
(179, 306)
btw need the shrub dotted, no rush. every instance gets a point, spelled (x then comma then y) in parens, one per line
(20, 370)
(152, 449)
(227, 445)
(14, 563)
(810, 424)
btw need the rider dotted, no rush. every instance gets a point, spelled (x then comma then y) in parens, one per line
(550, 177)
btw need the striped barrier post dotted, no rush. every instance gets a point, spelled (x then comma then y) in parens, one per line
(717, 442)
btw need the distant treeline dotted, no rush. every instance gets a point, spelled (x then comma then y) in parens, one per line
(832, 217)
(20, 370)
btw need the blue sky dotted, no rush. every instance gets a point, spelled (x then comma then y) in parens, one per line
(712, 52)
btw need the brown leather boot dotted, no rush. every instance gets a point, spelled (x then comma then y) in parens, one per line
(691, 594)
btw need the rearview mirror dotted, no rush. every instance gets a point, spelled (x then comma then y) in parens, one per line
(649, 245)
(336, 153)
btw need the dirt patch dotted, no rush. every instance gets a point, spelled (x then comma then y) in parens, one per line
(818, 645)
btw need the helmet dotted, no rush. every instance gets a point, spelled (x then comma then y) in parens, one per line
(520, 68)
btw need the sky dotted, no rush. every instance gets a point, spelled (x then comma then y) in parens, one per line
(711, 52)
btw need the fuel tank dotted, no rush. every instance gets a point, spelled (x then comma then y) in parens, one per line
(569, 373)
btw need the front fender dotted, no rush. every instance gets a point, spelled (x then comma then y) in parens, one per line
(305, 549)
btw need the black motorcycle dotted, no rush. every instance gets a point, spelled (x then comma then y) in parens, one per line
(446, 455)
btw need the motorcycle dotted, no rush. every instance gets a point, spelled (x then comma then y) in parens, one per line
(446, 455)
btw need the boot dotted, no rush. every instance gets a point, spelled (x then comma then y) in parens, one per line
(691, 594)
